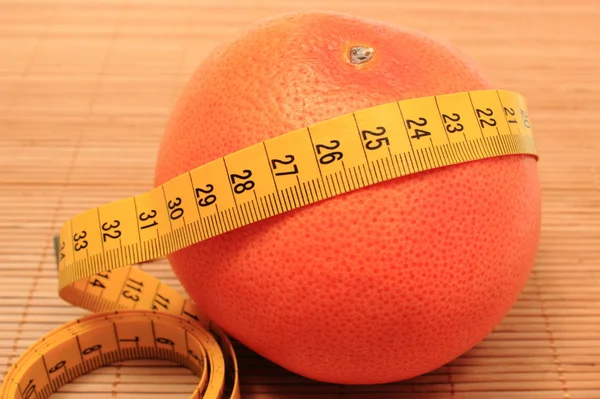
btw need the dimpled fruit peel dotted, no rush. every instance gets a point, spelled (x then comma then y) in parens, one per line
(376, 285)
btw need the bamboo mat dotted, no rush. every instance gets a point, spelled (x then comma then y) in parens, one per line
(86, 88)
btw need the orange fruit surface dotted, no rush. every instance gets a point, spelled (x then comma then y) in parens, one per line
(377, 285)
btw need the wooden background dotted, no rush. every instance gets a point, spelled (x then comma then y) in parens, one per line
(86, 88)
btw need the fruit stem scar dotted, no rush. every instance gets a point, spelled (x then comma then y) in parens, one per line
(360, 54)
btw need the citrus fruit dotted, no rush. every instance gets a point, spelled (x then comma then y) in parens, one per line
(376, 285)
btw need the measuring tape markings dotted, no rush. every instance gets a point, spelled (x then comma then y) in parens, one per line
(152, 321)
(96, 249)
(265, 179)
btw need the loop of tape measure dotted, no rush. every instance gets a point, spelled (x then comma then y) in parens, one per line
(135, 316)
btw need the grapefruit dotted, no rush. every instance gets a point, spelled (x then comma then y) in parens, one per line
(376, 285)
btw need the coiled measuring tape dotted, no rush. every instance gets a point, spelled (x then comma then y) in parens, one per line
(138, 317)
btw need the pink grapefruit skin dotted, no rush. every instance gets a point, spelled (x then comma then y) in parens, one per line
(376, 285)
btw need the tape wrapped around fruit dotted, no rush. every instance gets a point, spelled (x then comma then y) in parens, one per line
(379, 284)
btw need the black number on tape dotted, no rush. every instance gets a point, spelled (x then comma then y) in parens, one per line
(97, 283)
(109, 227)
(137, 286)
(162, 301)
(29, 390)
(91, 349)
(176, 211)
(144, 217)
(482, 121)
(57, 366)
(418, 133)
(134, 285)
(165, 341)
(451, 128)
(193, 316)
(62, 248)
(377, 143)
(134, 297)
(329, 157)
(510, 111)
(80, 237)
(289, 159)
(207, 199)
(244, 186)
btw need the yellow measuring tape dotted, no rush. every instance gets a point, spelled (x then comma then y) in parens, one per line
(138, 317)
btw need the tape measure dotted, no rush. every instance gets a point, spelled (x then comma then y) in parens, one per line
(135, 316)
